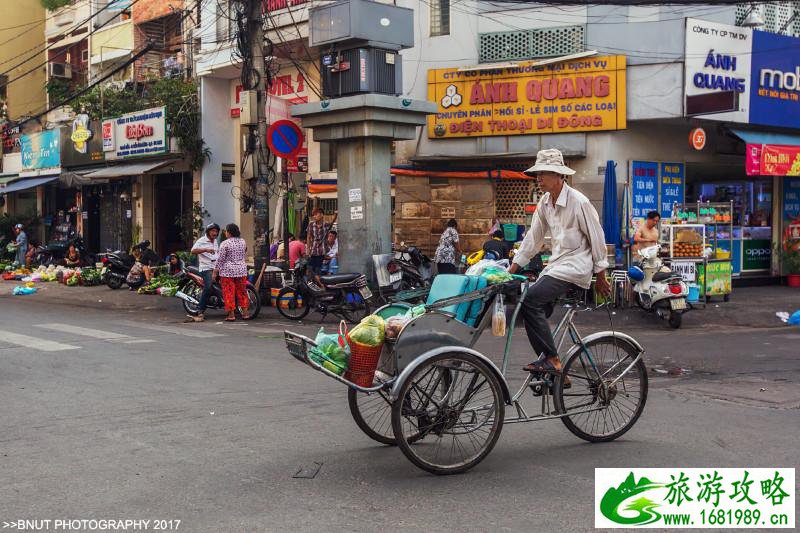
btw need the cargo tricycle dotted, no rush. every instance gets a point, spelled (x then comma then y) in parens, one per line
(443, 403)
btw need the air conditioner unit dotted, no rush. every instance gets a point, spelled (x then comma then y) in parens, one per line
(60, 70)
(361, 70)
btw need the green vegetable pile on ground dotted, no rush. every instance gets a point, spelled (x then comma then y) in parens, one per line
(161, 281)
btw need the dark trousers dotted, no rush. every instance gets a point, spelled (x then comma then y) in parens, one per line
(315, 264)
(534, 313)
(446, 268)
(207, 289)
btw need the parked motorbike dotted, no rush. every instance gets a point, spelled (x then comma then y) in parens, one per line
(117, 265)
(344, 295)
(55, 251)
(657, 289)
(191, 287)
(414, 267)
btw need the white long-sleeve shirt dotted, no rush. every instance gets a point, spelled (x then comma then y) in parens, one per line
(578, 240)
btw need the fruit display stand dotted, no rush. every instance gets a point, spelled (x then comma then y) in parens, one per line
(712, 268)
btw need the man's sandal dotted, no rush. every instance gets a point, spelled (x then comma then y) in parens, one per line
(544, 366)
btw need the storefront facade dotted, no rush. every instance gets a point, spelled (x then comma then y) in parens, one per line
(742, 85)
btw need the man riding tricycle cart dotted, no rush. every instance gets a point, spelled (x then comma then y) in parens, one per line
(443, 403)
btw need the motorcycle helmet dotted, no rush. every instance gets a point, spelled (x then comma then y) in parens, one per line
(211, 226)
(636, 273)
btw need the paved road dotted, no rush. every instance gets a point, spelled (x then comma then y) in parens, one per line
(139, 416)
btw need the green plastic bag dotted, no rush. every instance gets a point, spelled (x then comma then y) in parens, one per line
(496, 275)
(369, 332)
(329, 353)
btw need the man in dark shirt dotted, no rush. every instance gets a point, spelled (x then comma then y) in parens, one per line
(497, 246)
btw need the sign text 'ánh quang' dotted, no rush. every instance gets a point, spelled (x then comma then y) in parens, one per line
(529, 99)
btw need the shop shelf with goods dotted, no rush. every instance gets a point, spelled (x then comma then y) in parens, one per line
(712, 267)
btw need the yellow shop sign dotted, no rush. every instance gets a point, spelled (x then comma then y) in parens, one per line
(529, 99)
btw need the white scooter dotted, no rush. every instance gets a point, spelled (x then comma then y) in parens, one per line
(658, 289)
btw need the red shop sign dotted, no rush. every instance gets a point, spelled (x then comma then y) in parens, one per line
(779, 160)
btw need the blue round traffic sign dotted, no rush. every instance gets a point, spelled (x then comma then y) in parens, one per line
(284, 138)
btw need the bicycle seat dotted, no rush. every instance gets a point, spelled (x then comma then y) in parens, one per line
(662, 276)
(336, 279)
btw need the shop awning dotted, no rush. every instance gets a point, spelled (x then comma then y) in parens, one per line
(760, 137)
(27, 183)
(128, 169)
(5, 179)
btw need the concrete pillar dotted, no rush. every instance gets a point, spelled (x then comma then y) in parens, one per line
(364, 224)
(363, 128)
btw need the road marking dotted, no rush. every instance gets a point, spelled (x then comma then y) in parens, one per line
(34, 343)
(86, 332)
(186, 331)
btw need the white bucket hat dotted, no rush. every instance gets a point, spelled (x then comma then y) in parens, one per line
(550, 160)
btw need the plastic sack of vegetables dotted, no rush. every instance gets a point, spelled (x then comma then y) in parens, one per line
(395, 324)
(329, 353)
(478, 268)
(496, 275)
(369, 332)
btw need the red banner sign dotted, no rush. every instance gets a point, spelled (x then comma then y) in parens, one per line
(780, 160)
(752, 159)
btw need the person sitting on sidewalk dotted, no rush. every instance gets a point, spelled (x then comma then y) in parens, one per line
(73, 257)
(140, 273)
(297, 249)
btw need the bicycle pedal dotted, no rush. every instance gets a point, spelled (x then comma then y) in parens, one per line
(539, 387)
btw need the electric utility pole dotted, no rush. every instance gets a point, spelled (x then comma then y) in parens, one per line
(261, 157)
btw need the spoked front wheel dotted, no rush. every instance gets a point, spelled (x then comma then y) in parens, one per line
(372, 413)
(599, 406)
(291, 304)
(449, 413)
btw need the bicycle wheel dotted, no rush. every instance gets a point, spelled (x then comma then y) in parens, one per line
(292, 305)
(253, 303)
(456, 426)
(372, 413)
(603, 412)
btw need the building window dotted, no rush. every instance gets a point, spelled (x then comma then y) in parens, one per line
(440, 17)
(226, 20)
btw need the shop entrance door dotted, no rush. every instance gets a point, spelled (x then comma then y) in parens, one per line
(91, 204)
(173, 208)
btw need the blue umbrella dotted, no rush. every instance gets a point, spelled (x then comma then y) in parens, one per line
(611, 223)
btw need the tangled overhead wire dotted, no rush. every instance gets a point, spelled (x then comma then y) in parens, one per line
(244, 30)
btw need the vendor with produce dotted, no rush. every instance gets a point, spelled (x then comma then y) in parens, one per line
(20, 244)
(647, 234)
(73, 257)
(578, 246)
(139, 273)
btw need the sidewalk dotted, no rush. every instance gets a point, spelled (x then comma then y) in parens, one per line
(752, 307)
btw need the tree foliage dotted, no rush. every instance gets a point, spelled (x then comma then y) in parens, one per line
(52, 5)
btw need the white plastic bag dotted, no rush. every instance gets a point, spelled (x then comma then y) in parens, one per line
(499, 317)
(478, 268)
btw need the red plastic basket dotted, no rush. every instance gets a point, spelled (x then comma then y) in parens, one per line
(363, 362)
